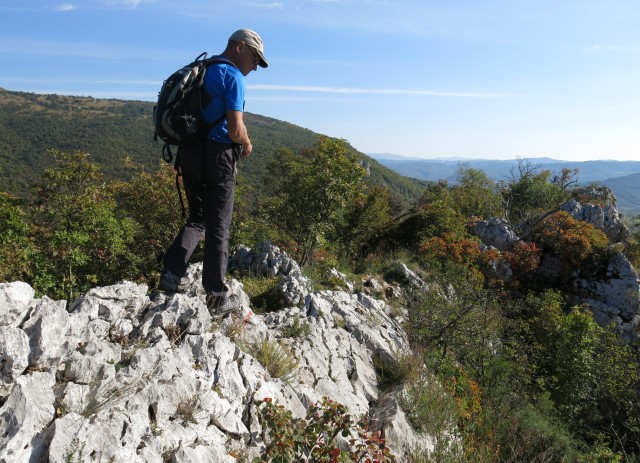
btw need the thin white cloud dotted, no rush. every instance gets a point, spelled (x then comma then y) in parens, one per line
(66, 7)
(283, 88)
(87, 5)
(598, 48)
(103, 51)
(268, 6)
(144, 96)
(126, 3)
(151, 83)
(606, 48)
(284, 99)
(373, 91)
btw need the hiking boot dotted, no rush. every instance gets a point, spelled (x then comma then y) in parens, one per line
(221, 304)
(169, 282)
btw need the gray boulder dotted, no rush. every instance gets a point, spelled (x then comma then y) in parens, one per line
(266, 259)
(15, 299)
(616, 298)
(604, 217)
(497, 233)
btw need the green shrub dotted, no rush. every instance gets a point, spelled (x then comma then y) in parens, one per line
(297, 328)
(535, 436)
(277, 359)
(396, 373)
(81, 240)
(429, 407)
(16, 246)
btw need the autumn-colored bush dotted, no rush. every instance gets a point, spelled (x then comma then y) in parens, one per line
(573, 241)
(312, 438)
(446, 248)
(523, 258)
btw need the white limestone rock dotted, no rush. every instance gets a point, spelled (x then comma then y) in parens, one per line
(47, 329)
(201, 454)
(399, 434)
(14, 357)
(266, 259)
(411, 277)
(616, 298)
(597, 206)
(26, 413)
(294, 288)
(15, 299)
(497, 233)
(343, 278)
(112, 303)
(157, 380)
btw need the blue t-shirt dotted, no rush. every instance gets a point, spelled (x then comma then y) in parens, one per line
(225, 83)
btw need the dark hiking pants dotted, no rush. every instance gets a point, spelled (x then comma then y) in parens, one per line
(208, 173)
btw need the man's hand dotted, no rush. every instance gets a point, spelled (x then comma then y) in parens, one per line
(246, 150)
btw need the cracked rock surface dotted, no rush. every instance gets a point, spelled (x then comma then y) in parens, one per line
(119, 376)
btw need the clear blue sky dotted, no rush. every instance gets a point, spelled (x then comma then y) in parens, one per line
(495, 79)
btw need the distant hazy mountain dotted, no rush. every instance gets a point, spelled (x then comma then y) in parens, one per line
(396, 157)
(627, 191)
(620, 176)
(400, 157)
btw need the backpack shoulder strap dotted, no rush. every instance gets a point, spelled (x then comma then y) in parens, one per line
(217, 59)
(206, 62)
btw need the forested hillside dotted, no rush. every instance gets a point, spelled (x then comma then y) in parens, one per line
(112, 130)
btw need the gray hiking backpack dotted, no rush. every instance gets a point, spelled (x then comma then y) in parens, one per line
(177, 116)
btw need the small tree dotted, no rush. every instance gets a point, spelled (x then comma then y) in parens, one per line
(311, 193)
(529, 195)
(589, 374)
(455, 315)
(566, 178)
(366, 218)
(475, 193)
(80, 240)
(435, 214)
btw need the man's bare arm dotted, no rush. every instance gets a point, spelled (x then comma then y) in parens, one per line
(238, 131)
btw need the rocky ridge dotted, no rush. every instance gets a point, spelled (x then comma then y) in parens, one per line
(117, 376)
(614, 298)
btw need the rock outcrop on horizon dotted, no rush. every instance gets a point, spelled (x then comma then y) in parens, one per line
(119, 376)
(614, 298)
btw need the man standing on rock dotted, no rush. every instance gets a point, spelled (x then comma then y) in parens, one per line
(209, 171)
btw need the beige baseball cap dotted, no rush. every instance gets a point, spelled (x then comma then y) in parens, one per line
(252, 39)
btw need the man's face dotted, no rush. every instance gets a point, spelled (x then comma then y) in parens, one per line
(250, 59)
